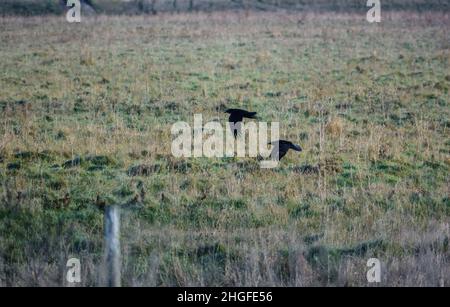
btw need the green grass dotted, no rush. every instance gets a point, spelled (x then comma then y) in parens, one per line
(86, 116)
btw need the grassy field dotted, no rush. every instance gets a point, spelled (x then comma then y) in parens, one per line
(86, 111)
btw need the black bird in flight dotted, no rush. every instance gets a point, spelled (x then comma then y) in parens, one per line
(236, 116)
(282, 147)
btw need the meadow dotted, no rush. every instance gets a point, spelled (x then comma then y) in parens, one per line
(86, 114)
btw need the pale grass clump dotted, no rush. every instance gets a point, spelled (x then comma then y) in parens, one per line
(263, 57)
(335, 127)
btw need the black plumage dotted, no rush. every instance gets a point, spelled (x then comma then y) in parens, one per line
(282, 147)
(237, 116)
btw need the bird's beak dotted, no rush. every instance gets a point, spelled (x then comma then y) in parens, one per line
(296, 148)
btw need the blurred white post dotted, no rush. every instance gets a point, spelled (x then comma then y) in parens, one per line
(112, 241)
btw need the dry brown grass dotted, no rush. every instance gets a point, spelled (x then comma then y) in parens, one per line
(335, 127)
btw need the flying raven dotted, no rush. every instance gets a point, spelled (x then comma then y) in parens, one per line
(236, 116)
(282, 147)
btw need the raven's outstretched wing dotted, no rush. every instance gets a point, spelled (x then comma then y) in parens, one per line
(282, 147)
(236, 117)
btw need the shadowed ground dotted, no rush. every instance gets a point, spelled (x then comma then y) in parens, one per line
(113, 7)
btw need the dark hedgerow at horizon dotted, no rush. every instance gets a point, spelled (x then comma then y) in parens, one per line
(113, 7)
